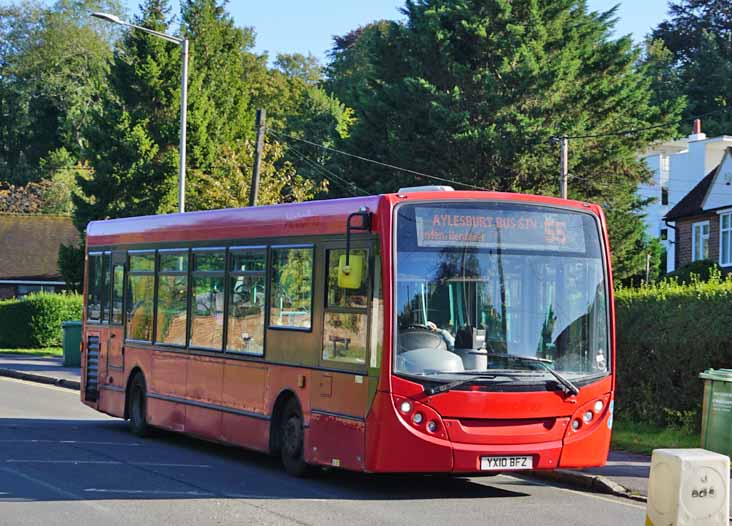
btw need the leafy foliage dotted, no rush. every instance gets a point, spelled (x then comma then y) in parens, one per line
(35, 321)
(667, 334)
(701, 270)
(697, 60)
(71, 266)
(473, 91)
(53, 64)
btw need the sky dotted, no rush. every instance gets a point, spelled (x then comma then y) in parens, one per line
(308, 26)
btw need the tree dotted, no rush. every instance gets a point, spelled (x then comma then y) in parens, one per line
(473, 91)
(698, 39)
(132, 140)
(53, 64)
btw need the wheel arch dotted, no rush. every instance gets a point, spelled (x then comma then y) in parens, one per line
(274, 423)
(133, 373)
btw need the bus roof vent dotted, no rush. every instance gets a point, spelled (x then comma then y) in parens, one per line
(429, 188)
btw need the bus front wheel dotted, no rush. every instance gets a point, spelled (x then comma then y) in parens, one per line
(292, 435)
(137, 409)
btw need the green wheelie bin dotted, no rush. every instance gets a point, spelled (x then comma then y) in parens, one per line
(72, 343)
(716, 432)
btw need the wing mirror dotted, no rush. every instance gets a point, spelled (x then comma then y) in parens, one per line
(350, 267)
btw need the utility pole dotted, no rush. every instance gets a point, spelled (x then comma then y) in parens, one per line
(261, 118)
(183, 125)
(564, 143)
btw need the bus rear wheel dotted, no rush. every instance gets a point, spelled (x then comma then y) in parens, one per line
(292, 436)
(137, 408)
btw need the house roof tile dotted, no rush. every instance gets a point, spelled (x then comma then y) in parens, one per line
(691, 203)
(29, 245)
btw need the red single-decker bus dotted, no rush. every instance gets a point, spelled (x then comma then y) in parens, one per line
(428, 330)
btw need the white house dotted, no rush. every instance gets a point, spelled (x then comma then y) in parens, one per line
(677, 167)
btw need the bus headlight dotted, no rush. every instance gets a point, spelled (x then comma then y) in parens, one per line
(405, 407)
(587, 417)
(417, 418)
(431, 426)
(598, 406)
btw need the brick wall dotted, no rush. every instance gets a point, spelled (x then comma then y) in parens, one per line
(683, 238)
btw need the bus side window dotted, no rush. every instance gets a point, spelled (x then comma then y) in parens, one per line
(118, 276)
(106, 284)
(94, 288)
(172, 306)
(292, 287)
(140, 296)
(247, 294)
(346, 314)
(207, 311)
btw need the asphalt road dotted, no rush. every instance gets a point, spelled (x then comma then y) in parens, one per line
(61, 464)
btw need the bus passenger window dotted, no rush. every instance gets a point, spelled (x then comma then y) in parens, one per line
(340, 297)
(172, 298)
(94, 288)
(344, 337)
(140, 288)
(291, 287)
(118, 274)
(247, 294)
(106, 283)
(346, 317)
(207, 314)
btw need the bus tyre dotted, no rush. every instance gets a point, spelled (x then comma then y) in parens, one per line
(293, 443)
(137, 409)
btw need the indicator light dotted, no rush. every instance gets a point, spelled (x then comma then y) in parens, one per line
(417, 418)
(575, 424)
(587, 417)
(431, 426)
(406, 407)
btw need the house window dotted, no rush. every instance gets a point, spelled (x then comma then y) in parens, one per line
(700, 241)
(725, 239)
(664, 234)
(664, 195)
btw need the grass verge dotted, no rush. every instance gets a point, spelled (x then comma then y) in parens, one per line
(42, 351)
(644, 438)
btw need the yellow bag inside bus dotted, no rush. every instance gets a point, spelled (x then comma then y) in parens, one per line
(350, 277)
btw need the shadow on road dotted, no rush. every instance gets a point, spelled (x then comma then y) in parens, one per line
(51, 460)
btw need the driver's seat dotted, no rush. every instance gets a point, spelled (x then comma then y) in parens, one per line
(415, 338)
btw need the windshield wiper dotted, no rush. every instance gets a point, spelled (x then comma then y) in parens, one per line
(568, 386)
(442, 388)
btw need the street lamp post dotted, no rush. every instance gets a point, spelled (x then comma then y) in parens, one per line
(183, 43)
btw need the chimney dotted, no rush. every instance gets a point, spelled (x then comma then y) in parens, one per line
(697, 134)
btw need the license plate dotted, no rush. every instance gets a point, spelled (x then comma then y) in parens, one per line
(506, 463)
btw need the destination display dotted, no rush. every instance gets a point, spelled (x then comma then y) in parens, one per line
(506, 229)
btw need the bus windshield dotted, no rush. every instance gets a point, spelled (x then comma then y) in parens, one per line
(480, 285)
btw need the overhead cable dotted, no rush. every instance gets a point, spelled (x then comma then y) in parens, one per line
(379, 163)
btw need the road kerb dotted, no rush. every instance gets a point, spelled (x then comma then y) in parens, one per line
(39, 378)
(587, 482)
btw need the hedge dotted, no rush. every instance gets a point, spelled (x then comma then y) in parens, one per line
(667, 334)
(35, 321)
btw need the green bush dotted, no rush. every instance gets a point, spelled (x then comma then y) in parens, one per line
(35, 321)
(700, 270)
(667, 334)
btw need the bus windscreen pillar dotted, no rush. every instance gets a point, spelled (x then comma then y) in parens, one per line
(688, 487)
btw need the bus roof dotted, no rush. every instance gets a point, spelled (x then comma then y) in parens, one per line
(284, 220)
